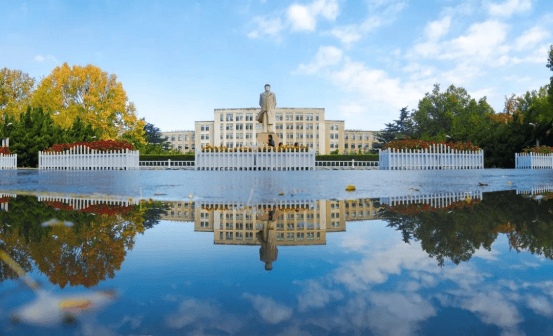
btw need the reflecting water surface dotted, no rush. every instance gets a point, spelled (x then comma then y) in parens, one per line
(417, 264)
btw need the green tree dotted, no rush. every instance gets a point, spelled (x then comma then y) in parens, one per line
(35, 131)
(451, 115)
(550, 66)
(399, 129)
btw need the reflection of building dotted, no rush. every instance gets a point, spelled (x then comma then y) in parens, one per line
(306, 126)
(295, 222)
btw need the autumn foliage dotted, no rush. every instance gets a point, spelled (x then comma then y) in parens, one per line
(538, 150)
(101, 145)
(5, 150)
(421, 145)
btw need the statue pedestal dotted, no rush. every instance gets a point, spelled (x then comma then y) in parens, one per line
(263, 138)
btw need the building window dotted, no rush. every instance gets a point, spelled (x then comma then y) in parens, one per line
(239, 127)
(172, 138)
(229, 117)
(221, 117)
(299, 126)
(309, 116)
(289, 126)
(202, 137)
(249, 117)
(186, 138)
(239, 117)
(278, 116)
(249, 126)
(279, 126)
(299, 116)
(317, 117)
(346, 137)
(289, 117)
(230, 127)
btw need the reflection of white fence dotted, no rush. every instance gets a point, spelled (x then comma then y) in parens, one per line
(4, 203)
(533, 161)
(7, 161)
(78, 203)
(255, 160)
(435, 157)
(81, 157)
(537, 190)
(340, 165)
(168, 164)
(440, 200)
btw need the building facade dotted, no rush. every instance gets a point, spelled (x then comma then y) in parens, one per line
(304, 126)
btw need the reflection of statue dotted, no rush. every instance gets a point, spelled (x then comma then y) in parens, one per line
(267, 101)
(268, 251)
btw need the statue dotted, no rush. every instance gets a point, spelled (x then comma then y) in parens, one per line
(267, 101)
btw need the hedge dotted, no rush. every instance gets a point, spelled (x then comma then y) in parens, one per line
(165, 157)
(334, 157)
(347, 157)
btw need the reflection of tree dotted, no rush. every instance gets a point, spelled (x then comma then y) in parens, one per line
(458, 234)
(84, 254)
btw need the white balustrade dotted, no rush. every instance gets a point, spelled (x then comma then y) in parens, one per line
(167, 164)
(533, 161)
(4, 202)
(536, 190)
(434, 157)
(341, 165)
(84, 158)
(255, 160)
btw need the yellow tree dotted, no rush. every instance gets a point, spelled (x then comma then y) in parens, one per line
(16, 89)
(94, 95)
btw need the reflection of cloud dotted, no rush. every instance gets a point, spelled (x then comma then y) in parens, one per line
(386, 313)
(482, 253)
(315, 295)
(271, 311)
(190, 311)
(541, 305)
(294, 330)
(379, 265)
(492, 308)
(205, 314)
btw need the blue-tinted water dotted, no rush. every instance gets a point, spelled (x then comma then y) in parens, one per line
(400, 256)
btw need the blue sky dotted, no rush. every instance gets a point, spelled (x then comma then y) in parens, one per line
(360, 60)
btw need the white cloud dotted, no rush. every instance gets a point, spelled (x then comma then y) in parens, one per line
(314, 295)
(509, 7)
(45, 58)
(480, 42)
(530, 38)
(304, 17)
(266, 26)
(435, 30)
(354, 32)
(271, 311)
(326, 56)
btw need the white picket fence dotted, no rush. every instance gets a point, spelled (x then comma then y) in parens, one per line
(255, 160)
(435, 157)
(440, 200)
(84, 158)
(7, 161)
(533, 161)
